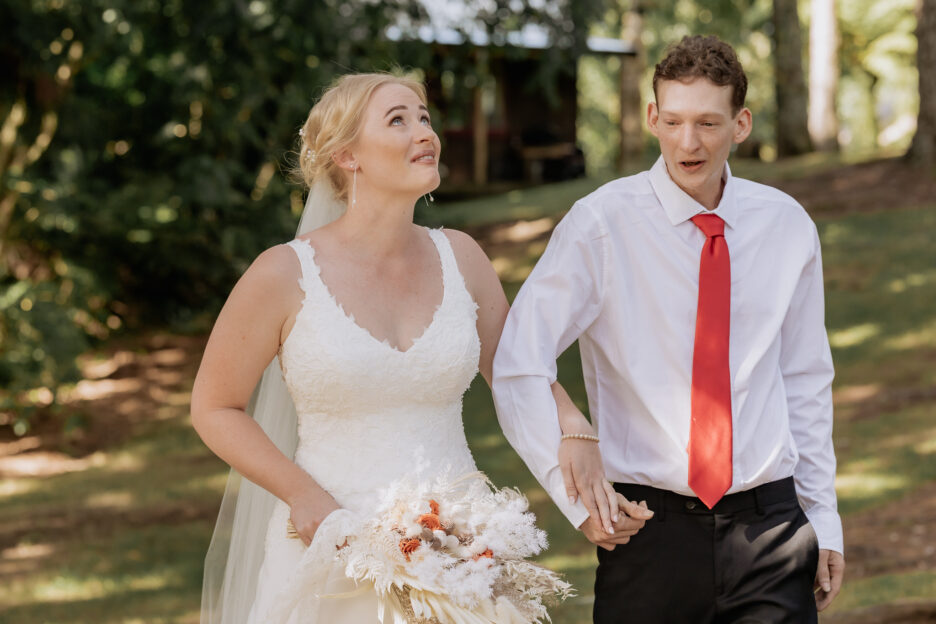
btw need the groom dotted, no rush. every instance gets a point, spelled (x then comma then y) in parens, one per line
(697, 300)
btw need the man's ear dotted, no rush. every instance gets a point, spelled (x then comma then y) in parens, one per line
(653, 116)
(744, 123)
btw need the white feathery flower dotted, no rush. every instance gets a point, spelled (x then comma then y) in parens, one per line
(454, 549)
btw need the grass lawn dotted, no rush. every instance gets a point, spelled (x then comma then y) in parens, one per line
(118, 534)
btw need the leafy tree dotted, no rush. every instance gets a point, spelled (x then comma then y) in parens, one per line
(143, 148)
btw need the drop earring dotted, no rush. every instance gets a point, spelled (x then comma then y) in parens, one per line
(354, 186)
(431, 199)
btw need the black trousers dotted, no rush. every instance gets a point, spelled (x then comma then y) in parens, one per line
(752, 558)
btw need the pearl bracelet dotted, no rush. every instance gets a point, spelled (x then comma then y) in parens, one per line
(579, 436)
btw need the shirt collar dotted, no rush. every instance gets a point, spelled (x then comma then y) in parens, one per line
(679, 206)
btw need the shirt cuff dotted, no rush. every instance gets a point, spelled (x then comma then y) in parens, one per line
(828, 526)
(555, 487)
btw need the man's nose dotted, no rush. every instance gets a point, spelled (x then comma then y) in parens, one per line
(689, 138)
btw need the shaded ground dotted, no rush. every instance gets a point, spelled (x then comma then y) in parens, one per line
(129, 382)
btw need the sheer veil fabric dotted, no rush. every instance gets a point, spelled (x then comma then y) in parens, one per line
(236, 551)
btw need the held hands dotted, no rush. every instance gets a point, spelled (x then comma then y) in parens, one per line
(612, 519)
(828, 577)
(631, 517)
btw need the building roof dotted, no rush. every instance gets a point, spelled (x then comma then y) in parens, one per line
(454, 22)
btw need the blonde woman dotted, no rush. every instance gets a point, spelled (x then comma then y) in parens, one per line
(378, 326)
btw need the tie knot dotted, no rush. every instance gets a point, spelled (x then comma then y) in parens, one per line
(711, 225)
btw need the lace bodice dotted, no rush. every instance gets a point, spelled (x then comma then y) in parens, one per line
(368, 412)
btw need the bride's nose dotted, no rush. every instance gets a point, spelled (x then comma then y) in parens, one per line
(425, 134)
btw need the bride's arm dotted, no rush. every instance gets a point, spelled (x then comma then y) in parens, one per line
(243, 341)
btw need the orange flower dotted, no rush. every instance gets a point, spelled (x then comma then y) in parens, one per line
(487, 554)
(431, 520)
(409, 545)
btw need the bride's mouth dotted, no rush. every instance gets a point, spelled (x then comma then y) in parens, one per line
(425, 157)
(691, 166)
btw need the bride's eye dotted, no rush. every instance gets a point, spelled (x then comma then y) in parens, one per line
(396, 121)
(425, 119)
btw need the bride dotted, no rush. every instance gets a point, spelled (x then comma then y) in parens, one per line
(376, 325)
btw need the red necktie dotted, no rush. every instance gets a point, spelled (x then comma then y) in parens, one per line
(710, 433)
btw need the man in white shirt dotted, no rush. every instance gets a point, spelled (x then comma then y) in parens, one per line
(697, 300)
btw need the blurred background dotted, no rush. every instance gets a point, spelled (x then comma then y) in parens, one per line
(144, 151)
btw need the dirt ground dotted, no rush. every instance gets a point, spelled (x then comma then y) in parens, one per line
(866, 187)
(142, 378)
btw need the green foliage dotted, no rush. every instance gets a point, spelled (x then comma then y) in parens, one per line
(878, 92)
(144, 145)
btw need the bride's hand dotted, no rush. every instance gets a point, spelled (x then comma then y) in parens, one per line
(308, 512)
(583, 474)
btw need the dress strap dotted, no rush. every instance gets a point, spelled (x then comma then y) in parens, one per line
(452, 279)
(309, 270)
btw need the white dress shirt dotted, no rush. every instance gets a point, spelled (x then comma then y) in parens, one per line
(621, 275)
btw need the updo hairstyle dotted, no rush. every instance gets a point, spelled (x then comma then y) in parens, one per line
(335, 122)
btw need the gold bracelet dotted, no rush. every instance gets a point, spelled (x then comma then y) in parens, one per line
(291, 531)
(579, 436)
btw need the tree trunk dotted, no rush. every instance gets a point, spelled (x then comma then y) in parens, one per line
(792, 133)
(823, 75)
(923, 149)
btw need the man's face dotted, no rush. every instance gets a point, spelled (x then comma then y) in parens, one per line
(694, 122)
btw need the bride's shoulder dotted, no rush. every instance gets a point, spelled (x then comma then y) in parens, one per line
(274, 267)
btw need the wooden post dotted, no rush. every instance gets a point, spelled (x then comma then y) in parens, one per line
(630, 102)
(479, 123)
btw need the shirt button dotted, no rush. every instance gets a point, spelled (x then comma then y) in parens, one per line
(690, 505)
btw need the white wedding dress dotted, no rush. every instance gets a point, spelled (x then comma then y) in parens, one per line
(368, 414)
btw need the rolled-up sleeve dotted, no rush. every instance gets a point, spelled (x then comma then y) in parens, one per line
(806, 365)
(557, 303)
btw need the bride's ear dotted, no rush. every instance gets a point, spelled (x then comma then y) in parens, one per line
(345, 159)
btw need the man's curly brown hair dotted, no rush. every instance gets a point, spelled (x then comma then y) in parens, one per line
(704, 57)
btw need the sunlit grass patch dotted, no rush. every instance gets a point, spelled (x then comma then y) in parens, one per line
(150, 573)
(885, 589)
(529, 203)
(881, 459)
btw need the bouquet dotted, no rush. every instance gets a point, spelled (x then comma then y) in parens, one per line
(439, 551)
(453, 551)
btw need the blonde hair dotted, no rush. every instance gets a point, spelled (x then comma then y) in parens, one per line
(334, 123)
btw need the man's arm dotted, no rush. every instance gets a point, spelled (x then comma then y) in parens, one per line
(806, 365)
(559, 300)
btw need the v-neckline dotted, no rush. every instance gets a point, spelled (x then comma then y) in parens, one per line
(349, 317)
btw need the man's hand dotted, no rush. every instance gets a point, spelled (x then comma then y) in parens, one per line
(631, 519)
(828, 577)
